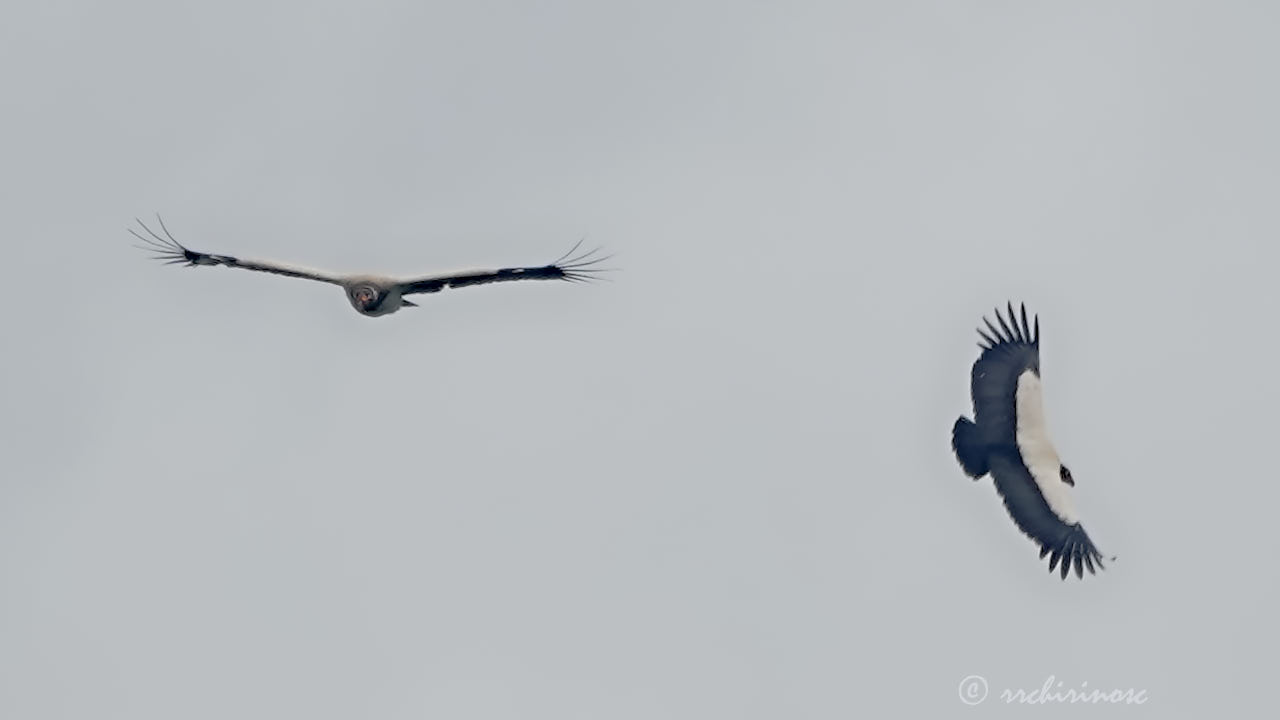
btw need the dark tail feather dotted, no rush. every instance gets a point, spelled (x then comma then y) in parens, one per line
(969, 450)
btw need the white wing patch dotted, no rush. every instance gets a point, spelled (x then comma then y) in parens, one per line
(1037, 450)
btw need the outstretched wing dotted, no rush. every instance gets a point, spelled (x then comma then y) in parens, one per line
(1068, 544)
(1007, 353)
(174, 253)
(579, 268)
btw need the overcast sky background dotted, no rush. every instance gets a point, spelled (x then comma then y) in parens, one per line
(718, 487)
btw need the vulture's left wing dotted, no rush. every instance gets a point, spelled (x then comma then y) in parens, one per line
(579, 268)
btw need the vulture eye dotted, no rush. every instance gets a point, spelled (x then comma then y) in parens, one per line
(1066, 476)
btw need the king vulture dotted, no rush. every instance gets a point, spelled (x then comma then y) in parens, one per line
(1009, 440)
(374, 295)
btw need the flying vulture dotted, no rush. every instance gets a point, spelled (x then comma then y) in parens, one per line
(373, 295)
(1009, 440)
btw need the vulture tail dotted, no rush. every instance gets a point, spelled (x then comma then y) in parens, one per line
(970, 450)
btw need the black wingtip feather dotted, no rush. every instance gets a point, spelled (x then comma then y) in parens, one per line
(1013, 320)
(572, 250)
(999, 338)
(1008, 334)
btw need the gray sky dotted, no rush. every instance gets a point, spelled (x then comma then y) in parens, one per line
(718, 487)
